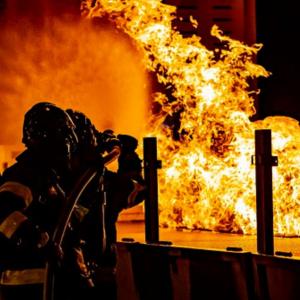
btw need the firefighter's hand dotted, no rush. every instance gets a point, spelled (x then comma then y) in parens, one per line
(30, 237)
(43, 239)
(129, 161)
(128, 142)
(82, 269)
(107, 140)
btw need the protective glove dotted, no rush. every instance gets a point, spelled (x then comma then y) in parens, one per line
(129, 161)
(106, 140)
(30, 236)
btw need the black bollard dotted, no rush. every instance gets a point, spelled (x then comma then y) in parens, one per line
(264, 161)
(151, 164)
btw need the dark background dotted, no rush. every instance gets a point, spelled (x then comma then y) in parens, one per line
(278, 29)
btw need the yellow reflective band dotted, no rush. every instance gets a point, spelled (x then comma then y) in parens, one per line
(19, 190)
(136, 189)
(22, 277)
(9, 226)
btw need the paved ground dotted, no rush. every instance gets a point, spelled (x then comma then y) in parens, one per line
(206, 239)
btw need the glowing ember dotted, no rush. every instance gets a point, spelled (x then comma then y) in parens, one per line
(207, 181)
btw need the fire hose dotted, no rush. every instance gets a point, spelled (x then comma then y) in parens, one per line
(67, 210)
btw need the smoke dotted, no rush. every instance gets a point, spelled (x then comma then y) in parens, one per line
(89, 67)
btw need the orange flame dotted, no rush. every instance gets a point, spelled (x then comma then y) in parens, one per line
(207, 181)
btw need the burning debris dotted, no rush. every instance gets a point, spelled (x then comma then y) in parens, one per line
(207, 181)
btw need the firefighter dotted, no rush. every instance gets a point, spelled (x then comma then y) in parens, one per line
(103, 201)
(31, 196)
(74, 281)
(124, 189)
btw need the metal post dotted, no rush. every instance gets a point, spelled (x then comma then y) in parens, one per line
(264, 197)
(151, 164)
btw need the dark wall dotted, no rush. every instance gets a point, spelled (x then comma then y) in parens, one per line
(278, 29)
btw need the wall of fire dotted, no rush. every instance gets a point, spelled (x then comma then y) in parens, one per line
(268, 22)
(272, 23)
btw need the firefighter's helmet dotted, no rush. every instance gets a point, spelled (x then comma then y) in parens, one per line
(50, 128)
(85, 130)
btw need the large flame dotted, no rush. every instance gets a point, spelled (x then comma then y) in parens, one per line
(207, 180)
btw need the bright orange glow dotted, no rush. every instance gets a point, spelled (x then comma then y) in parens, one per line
(207, 181)
(90, 67)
